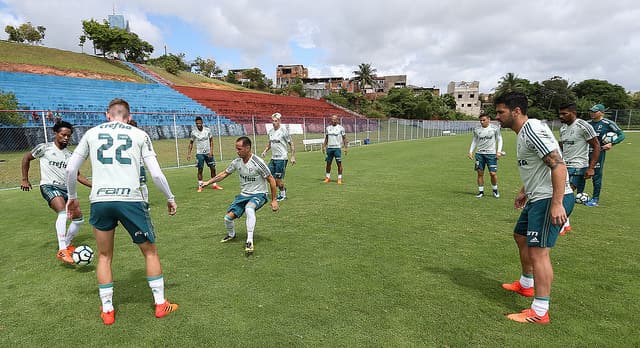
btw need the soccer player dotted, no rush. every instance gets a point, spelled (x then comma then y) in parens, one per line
(54, 157)
(254, 177)
(334, 139)
(204, 152)
(278, 139)
(546, 199)
(116, 149)
(602, 126)
(576, 135)
(484, 141)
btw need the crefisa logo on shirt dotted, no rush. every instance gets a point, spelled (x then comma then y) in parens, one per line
(114, 191)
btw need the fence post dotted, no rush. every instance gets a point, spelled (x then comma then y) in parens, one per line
(629, 121)
(255, 144)
(219, 136)
(175, 137)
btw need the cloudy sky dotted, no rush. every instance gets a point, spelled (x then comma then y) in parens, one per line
(432, 42)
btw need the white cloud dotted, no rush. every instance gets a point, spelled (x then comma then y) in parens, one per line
(431, 42)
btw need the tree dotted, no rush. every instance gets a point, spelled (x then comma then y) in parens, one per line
(257, 80)
(510, 83)
(115, 41)
(8, 101)
(26, 33)
(172, 63)
(364, 76)
(231, 78)
(601, 91)
(206, 67)
(635, 100)
(552, 93)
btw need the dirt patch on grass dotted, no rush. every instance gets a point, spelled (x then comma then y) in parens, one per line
(46, 70)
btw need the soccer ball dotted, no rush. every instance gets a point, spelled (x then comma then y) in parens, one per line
(582, 198)
(610, 137)
(82, 255)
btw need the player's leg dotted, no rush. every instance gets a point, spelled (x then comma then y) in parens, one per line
(256, 202)
(57, 203)
(235, 210)
(156, 279)
(597, 186)
(199, 166)
(492, 164)
(211, 163)
(523, 286)
(479, 167)
(329, 160)
(104, 244)
(338, 157)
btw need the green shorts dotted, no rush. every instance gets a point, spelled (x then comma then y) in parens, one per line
(334, 152)
(134, 216)
(278, 168)
(49, 192)
(534, 222)
(486, 160)
(239, 204)
(203, 158)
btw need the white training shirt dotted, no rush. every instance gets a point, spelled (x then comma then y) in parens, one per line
(575, 147)
(485, 139)
(334, 136)
(201, 138)
(253, 175)
(53, 163)
(279, 140)
(535, 140)
(116, 150)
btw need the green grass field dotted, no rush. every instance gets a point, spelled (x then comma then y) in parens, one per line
(401, 255)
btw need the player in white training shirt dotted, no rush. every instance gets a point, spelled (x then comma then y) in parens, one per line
(576, 135)
(116, 150)
(484, 141)
(254, 178)
(53, 184)
(546, 200)
(279, 141)
(335, 138)
(203, 138)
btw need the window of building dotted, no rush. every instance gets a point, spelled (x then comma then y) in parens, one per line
(471, 95)
(459, 96)
(468, 105)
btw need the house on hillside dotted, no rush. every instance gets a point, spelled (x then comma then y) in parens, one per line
(467, 96)
(287, 74)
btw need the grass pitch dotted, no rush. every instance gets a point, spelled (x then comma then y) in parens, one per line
(402, 254)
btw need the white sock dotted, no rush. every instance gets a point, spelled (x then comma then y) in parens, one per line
(480, 188)
(526, 280)
(199, 183)
(230, 226)
(328, 175)
(145, 192)
(283, 192)
(251, 223)
(540, 305)
(74, 228)
(157, 288)
(494, 187)
(61, 229)
(566, 224)
(339, 176)
(106, 296)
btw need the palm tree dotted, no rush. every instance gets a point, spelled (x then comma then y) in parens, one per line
(364, 75)
(510, 83)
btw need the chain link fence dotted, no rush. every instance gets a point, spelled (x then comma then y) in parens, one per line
(170, 134)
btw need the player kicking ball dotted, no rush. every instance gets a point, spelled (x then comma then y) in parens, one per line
(255, 176)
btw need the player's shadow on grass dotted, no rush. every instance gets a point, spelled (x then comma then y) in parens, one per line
(475, 282)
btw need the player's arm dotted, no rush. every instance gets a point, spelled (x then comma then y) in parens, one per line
(264, 152)
(554, 161)
(345, 143)
(83, 180)
(293, 152)
(521, 199)
(25, 185)
(472, 147)
(210, 144)
(73, 168)
(595, 155)
(620, 135)
(500, 143)
(153, 167)
(324, 144)
(273, 188)
(190, 148)
(216, 178)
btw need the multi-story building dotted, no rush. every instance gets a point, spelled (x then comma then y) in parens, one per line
(467, 96)
(287, 74)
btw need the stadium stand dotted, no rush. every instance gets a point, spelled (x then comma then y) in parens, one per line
(241, 105)
(59, 93)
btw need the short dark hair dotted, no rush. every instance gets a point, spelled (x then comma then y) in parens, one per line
(133, 122)
(568, 105)
(62, 124)
(513, 100)
(484, 114)
(198, 118)
(245, 141)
